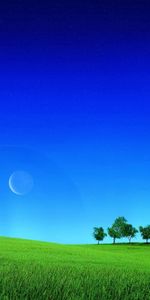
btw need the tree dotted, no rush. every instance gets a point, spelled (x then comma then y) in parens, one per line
(113, 233)
(129, 231)
(99, 234)
(117, 229)
(145, 232)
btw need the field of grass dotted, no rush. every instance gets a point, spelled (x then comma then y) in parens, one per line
(37, 270)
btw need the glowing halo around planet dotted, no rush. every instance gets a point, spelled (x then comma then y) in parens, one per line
(20, 183)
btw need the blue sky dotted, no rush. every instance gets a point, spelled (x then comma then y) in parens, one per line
(74, 113)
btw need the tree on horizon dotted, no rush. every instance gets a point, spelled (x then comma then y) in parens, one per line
(99, 234)
(129, 231)
(116, 230)
(145, 233)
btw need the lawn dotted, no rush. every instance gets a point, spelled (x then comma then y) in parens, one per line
(38, 270)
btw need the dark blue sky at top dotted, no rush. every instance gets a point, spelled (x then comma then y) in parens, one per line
(74, 112)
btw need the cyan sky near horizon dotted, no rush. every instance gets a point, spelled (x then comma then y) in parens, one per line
(74, 113)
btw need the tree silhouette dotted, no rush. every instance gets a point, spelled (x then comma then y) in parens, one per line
(129, 231)
(145, 233)
(116, 230)
(99, 234)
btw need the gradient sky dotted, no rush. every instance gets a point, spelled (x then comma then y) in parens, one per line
(74, 113)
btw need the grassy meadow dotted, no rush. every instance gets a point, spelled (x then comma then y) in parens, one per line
(38, 270)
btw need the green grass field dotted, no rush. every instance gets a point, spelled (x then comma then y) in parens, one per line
(38, 270)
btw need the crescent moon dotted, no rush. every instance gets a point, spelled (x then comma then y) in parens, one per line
(20, 183)
(11, 187)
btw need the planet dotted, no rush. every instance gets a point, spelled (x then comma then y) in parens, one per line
(20, 182)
